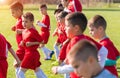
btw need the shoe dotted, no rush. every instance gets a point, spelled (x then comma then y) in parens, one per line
(47, 59)
(51, 54)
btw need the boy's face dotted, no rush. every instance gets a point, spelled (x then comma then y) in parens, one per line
(81, 68)
(69, 29)
(64, 3)
(94, 32)
(16, 13)
(43, 10)
(26, 23)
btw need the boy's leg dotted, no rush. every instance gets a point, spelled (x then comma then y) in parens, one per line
(56, 49)
(21, 72)
(39, 73)
(48, 53)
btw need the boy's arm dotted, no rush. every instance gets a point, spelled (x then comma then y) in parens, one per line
(14, 55)
(19, 31)
(41, 24)
(28, 44)
(102, 56)
(62, 69)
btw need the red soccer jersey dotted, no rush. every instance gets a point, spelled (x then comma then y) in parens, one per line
(74, 6)
(4, 45)
(32, 56)
(45, 20)
(62, 35)
(31, 35)
(73, 41)
(112, 54)
(19, 26)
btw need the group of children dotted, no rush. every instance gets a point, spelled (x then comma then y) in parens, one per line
(78, 55)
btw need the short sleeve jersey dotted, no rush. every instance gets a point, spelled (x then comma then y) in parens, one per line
(31, 35)
(45, 20)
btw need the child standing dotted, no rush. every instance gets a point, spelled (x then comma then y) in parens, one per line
(45, 31)
(31, 41)
(4, 47)
(84, 59)
(17, 11)
(97, 26)
(76, 24)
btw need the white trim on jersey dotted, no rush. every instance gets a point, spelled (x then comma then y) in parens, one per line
(6, 50)
(74, 6)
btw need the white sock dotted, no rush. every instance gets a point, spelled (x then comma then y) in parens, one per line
(40, 74)
(66, 76)
(16, 72)
(46, 52)
(21, 74)
(56, 49)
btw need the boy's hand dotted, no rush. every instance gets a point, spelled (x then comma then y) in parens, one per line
(19, 31)
(28, 44)
(21, 43)
(16, 64)
(13, 28)
(54, 69)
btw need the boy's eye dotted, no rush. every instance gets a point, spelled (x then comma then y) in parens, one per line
(76, 66)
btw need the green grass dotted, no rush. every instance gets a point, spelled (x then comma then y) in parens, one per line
(7, 21)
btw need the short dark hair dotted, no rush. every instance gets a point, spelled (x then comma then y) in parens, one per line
(63, 14)
(57, 11)
(29, 15)
(83, 50)
(77, 18)
(16, 5)
(43, 6)
(98, 21)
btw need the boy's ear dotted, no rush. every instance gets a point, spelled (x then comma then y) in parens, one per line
(100, 28)
(77, 28)
(91, 59)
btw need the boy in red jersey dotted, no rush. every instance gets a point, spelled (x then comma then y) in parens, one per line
(97, 26)
(17, 11)
(4, 47)
(31, 41)
(76, 24)
(72, 5)
(45, 31)
(83, 58)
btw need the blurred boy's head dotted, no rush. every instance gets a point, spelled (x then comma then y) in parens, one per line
(16, 9)
(56, 12)
(43, 9)
(60, 6)
(97, 26)
(65, 3)
(61, 17)
(83, 58)
(76, 24)
(27, 20)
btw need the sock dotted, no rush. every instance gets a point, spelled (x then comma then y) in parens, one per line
(40, 74)
(46, 52)
(66, 75)
(56, 49)
(16, 72)
(21, 74)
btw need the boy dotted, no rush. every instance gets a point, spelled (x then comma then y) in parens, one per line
(72, 5)
(97, 26)
(17, 11)
(76, 24)
(4, 47)
(45, 31)
(31, 41)
(84, 59)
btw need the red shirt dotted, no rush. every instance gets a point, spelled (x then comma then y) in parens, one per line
(74, 6)
(46, 21)
(112, 54)
(31, 35)
(19, 26)
(73, 41)
(4, 45)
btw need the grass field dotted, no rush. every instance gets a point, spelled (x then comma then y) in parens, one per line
(112, 16)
